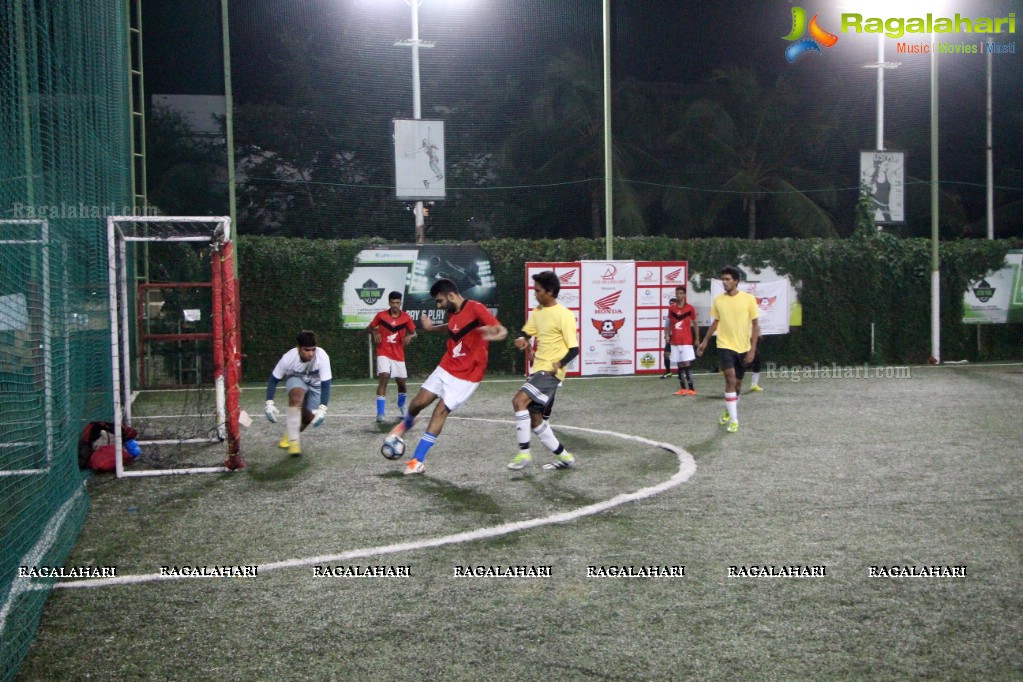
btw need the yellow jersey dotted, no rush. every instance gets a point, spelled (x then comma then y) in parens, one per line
(735, 315)
(555, 332)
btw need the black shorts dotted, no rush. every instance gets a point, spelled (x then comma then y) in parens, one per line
(755, 365)
(541, 387)
(729, 359)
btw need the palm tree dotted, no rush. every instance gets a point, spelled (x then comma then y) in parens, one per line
(749, 149)
(566, 125)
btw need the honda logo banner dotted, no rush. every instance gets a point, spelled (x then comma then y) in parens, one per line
(608, 312)
(619, 307)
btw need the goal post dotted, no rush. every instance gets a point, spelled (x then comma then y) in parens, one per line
(174, 341)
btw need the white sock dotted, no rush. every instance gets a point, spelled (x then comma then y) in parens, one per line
(547, 437)
(522, 429)
(294, 422)
(732, 405)
(756, 378)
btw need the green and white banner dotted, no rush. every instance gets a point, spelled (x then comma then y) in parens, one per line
(996, 298)
(412, 269)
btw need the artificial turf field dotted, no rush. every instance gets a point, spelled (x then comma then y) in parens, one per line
(842, 473)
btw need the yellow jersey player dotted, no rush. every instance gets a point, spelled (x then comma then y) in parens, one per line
(553, 326)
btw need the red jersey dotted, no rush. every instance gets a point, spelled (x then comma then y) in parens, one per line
(681, 322)
(467, 351)
(392, 333)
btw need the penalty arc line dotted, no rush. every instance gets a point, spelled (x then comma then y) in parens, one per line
(686, 469)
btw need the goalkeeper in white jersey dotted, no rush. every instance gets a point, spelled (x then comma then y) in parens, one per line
(305, 370)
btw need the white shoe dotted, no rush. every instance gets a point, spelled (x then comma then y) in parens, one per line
(562, 461)
(414, 466)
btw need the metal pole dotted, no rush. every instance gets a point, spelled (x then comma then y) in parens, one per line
(229, 120)
(608, 170)
(990, 164)
(24, 102)
(417, 110)
(880, 91)
(935, 216)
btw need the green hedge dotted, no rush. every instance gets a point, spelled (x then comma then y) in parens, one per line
(844, 286)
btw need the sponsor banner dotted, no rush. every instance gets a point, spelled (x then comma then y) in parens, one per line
(608, 317)
(651, 318)
(569, 275)
(412, 270)
(997, 297)
(701, 300)
(620, 308)
(772, 300)
(655, 287)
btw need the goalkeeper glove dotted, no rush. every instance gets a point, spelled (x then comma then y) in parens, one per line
(319, 414)
(271, 412)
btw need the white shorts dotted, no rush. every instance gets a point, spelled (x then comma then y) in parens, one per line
(452, 390)
(682, 354)
(386, 365)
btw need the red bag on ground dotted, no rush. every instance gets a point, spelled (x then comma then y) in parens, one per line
(91, 433)
(103, 458)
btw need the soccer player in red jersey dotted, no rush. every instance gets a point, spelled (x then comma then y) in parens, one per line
(392, 329)
(471, 328)
(682, 328)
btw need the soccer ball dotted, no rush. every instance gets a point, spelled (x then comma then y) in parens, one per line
(393, 447)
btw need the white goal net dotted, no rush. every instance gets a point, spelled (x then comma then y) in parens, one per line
(174, 342)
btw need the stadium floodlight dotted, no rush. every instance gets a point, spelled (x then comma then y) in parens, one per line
(191, 318)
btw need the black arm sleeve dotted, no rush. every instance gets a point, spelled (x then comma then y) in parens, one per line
(571, 355)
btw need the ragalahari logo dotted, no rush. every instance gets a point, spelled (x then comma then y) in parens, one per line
(607, 301)
(800, 45)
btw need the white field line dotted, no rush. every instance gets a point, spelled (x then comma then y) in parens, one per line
(35, 555)
(686, 469)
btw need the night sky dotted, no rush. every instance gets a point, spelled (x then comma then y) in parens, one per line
(675, 45)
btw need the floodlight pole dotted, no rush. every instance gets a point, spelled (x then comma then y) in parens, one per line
(608, 168)
(990, 161)
(880, 65)
(420, 223)
(935, 216)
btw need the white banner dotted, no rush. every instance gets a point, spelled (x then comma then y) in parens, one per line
(772, 300)
(883, 174)
(619, 308)
(607, 317)
(568, 275)
(996, 298)
(419, 159)
(655, 287)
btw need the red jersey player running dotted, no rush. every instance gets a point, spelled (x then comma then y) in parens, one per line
(392, 329)
(681, 328)
(471, 328)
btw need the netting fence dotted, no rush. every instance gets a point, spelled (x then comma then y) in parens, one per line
(63, 167)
